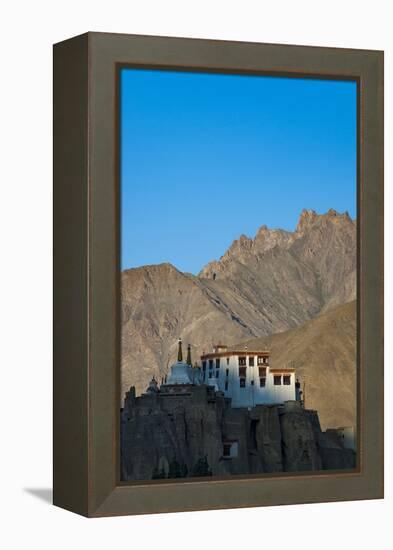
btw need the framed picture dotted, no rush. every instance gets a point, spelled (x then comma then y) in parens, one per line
(218, 274)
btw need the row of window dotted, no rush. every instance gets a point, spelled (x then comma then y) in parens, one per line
(278, 379)
(251, 361)
(242, 362)
(211, 364)
(243, 371)
(262, 382)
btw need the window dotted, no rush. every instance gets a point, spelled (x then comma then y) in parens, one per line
(210, 364)
(227, 360)
(242, 371)
(226, 385)
(252, 382)
(226, 452)
(287, 380)
(217, 373)
(277, 380)
(242, 382)
(210, 374)
(230, 449)
(227, 372)
(262, 371)
(242, 361)
(217, 363)
(251, 361)
(262, 382)
(260, 360)
(203, 365)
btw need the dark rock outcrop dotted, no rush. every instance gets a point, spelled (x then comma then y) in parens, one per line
(192, 431)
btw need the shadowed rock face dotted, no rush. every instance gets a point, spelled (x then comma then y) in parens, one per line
(167, 435)
(274, 282)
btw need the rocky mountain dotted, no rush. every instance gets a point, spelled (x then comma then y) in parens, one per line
(292, 276)
(323, 351)
(274, 282)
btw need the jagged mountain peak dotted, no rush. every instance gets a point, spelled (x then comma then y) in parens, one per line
(306, 220)
(309, 218)
(243, 243)
(246, 249)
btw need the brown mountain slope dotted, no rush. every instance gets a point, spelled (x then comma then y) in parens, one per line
(323, 351)
(159, 304)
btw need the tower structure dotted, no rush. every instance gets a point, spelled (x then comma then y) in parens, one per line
(179, 352)
(182, 372)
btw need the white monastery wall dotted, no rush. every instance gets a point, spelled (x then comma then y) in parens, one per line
(248, 378)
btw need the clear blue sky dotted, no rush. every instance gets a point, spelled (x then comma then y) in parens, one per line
(205, 158)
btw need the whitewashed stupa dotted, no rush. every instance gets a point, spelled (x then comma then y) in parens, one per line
(182, 372)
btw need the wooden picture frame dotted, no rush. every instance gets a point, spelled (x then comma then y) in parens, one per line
(86, 274)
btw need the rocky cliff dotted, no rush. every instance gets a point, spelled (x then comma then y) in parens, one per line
(271, 283)
(194, 432)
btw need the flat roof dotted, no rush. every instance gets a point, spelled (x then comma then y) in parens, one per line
(243, 352)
